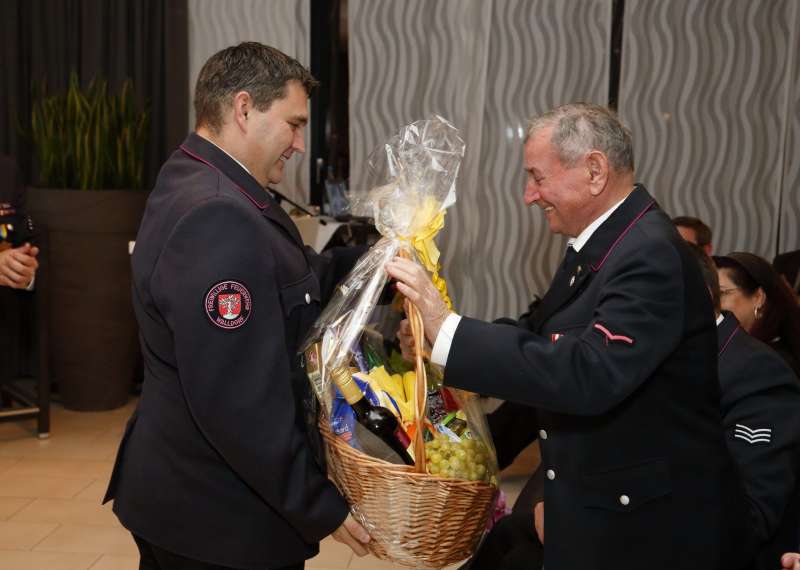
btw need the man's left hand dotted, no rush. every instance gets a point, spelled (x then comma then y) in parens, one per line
(416, 285)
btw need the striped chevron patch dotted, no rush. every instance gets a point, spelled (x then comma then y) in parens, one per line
(750, 435)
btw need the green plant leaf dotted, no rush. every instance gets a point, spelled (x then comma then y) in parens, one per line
(89, 137)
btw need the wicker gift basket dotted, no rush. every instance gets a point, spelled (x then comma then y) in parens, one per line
(432, 513)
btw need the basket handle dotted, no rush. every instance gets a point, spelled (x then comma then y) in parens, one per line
(421, 387)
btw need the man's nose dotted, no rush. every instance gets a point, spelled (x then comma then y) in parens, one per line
(299, 143)
(531, 194)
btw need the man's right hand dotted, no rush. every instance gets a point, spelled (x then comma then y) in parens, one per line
(790, 561)
(353, 535)
(18, 266)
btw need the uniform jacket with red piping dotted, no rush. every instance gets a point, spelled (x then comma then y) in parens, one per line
(216, 463)
(761, 413)
(620, 359)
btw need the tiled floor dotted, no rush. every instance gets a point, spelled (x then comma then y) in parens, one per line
(50, 492)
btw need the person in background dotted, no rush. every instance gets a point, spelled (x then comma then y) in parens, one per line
(694, 231)
(18, 265)
(788, 265)
(762, 303)
(218, 467)
(760, 408)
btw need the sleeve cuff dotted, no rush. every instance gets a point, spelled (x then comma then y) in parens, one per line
(441, 348)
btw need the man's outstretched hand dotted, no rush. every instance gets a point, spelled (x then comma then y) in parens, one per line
(416, 285)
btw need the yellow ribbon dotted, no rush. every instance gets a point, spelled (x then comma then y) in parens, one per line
(428, 253)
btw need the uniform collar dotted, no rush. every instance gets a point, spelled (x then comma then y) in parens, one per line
(239, 162)
(610, 232)
(205, 151)
(726, 330)
(202, 150)
(578, 242)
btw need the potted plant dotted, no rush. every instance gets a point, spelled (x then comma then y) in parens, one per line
(90, 153)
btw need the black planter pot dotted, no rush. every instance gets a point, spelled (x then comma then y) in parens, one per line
(92, 329)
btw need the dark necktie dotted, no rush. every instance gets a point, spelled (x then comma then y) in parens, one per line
(569, 257)
(569, 260)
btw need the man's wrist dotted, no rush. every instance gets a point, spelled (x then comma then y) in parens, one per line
(444, 338)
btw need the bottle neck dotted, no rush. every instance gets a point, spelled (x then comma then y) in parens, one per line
(347, 386)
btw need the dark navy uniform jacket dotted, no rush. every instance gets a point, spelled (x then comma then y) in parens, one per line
(761, 414)
(761, 411)
(216, 463)
(621, 361)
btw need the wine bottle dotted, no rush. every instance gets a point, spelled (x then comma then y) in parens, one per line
(376, 419)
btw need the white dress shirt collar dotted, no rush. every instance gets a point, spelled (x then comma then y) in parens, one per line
(578, 242)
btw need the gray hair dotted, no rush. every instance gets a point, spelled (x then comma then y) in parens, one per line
(579, 128)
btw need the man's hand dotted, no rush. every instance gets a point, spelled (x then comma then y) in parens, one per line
(18, 266)
(353, 535)
(790, 561)
(416, 285)
(406, 340)
(538, 520)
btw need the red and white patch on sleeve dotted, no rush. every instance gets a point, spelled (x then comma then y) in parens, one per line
(228, 304)
(612, 337)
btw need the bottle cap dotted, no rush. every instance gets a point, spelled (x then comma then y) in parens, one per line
(343, 378)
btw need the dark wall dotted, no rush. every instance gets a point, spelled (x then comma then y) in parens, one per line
(146, 40)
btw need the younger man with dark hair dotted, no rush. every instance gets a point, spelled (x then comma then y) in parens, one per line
(218, 468)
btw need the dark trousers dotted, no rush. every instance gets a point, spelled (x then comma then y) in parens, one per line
(512, 544)
(151, 557)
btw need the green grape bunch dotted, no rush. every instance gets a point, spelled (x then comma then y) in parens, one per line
(466, 459)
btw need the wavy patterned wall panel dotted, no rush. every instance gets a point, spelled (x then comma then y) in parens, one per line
(487, 66)
(704, 88)
(284, 24)
(542, 53)
(409, 60)
(789, 238)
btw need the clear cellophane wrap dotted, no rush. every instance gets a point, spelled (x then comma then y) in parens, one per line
(432, 513)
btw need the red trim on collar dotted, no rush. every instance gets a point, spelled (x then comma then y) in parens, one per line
(597, 267)
(239, 188)
(730, 338)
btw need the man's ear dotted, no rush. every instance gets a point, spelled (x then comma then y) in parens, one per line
(597, 171)
(242, 105)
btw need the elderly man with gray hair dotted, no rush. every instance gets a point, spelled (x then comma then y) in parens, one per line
(619, 360)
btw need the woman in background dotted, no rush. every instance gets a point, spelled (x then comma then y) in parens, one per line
(762, 302)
